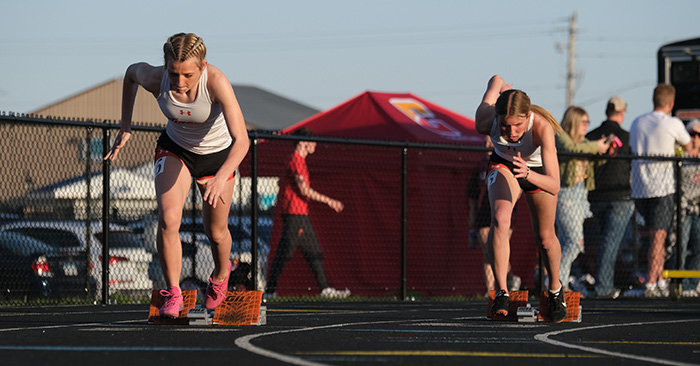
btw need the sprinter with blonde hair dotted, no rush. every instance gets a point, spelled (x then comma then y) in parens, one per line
(524, 160)
(205, 138)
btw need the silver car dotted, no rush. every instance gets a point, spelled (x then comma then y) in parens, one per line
(129, 260)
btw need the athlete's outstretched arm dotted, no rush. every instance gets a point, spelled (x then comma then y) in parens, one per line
(136, 74)
(486, 112)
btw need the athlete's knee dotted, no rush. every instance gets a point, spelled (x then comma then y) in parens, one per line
(169, 220)
(548, 240)
(500, 220)
(218, 235)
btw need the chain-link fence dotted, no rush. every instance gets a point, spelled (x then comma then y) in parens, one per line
(405, 230)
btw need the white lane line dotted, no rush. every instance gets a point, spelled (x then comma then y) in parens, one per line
(70, 325)
(545, 338)
(195, 329)
(51, 327)
(244, 342)
(8, 314)
(114, 348)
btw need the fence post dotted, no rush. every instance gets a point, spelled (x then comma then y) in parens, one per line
(88, 206)
(193, 228)
(105, 215)
(404, 221)
(679, 223)
(254, 212)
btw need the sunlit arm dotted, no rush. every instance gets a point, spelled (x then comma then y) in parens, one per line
(486, 112)
(543, 135)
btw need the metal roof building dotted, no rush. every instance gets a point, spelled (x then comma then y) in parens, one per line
(261, 109)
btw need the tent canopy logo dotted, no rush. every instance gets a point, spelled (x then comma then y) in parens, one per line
(424, 117)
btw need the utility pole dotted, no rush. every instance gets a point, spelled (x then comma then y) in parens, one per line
(570, 73)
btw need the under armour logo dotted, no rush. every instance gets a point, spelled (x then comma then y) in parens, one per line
(189, 113)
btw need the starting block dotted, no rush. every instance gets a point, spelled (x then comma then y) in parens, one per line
(239, 308)
(189, 299)
(528, 314)
(521, 311)
(199, 316)
(517, 299)
(573, 307)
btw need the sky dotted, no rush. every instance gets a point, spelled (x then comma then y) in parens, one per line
(323, 52)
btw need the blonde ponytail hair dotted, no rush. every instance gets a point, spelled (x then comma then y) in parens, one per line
(548, 116)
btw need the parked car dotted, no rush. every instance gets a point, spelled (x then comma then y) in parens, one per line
(33, 269)
(128, 258)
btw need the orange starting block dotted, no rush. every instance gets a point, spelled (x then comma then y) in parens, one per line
(573, 307)
(239, 308)
(189, 297)
(520, 310)
(516, 299)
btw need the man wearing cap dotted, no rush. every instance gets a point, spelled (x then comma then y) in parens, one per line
(653, 181)
(611, 201)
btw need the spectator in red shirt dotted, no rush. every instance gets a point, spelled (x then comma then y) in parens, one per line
(297, 232)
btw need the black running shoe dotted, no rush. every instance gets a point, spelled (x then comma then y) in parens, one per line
(500, 304)
(557, 306)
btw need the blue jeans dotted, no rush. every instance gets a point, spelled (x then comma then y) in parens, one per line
(572, 210)
(690, 249)
(613, 218)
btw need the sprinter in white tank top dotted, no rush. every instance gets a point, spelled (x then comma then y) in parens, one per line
(525, 160)
(198, 127)
(205, 122)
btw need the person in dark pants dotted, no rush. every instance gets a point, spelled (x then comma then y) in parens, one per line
(297, 232)
(611, 201)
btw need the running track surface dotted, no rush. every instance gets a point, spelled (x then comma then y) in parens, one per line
(625, 331)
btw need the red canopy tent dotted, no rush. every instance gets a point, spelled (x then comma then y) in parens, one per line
(362, 244)
(393, 117)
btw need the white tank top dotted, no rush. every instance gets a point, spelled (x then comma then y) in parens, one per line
(507, 150)
(198, 127)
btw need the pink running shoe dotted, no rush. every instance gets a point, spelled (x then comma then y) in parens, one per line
(216, 292)
(173, 302)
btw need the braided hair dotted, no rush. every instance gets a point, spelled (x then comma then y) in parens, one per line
(182, 46)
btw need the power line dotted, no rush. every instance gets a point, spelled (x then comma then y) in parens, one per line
(618, 91)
